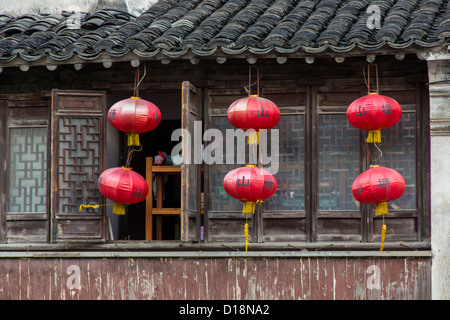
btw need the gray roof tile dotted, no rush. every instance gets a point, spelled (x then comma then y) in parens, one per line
(173, 28)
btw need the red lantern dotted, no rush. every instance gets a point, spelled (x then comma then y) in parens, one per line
(250, 185)
(378, 185)
(134, 116)
(255, 113)
(122, 186)
(373, 113)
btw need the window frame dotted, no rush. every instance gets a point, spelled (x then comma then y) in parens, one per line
(368, 232)
(311, 115)
(28, 226)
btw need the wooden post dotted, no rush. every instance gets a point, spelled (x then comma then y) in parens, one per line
(149, 200)
(159, 205)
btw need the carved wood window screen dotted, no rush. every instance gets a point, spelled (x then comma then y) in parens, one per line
(27, 188)
(320, 155)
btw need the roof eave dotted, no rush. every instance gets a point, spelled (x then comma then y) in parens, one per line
(249, 53)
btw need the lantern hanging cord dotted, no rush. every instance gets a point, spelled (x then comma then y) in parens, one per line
(367, 81)
(130, 154)
(137, 82)
(136, 75)
(381, 152)
(248, 89)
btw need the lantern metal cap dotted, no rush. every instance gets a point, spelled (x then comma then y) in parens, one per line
(135, 98)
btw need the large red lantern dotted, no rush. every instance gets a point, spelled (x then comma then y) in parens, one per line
(134, 116)
(122, 186)
(250, 185)
(255, 113)
(373, 113)
(378, 185)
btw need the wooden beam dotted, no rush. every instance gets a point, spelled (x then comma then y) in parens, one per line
(166, 211)
(167, 169)
(179, 248)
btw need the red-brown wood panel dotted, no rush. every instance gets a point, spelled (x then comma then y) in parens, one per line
(216, 278)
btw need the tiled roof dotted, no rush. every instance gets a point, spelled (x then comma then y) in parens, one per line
(177, 28)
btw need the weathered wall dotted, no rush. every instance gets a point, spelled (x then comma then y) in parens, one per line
(439, 69)
(55, 6)
(216, 276)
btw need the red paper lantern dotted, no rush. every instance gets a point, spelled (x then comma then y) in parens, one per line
(250, 184)
(373, 113)
(255, 113)
(122, 186)
(378, 185)
(134, 116)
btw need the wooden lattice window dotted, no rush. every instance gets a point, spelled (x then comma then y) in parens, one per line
(78, 159)
(49, 173)
(320, 155)
(24, 141)
(27, 188)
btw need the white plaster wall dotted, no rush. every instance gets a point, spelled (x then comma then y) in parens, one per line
(440, 216)
(56, 6)
(439, 87)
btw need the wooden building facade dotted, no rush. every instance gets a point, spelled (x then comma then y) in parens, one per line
(311, 240)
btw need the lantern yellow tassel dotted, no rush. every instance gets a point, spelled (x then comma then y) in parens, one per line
(119, 208)
(253, 137)
(93, 206)
(374, 136)
(249, 207)
(383, 235)
(381, 208)
(133, 139)
(246, 236)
